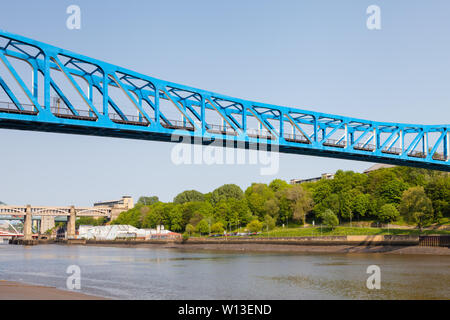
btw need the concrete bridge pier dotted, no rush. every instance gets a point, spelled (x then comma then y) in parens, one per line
(71, 223)
(27, 232)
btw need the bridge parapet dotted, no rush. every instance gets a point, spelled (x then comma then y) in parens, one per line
(48, 213)
(55, 211)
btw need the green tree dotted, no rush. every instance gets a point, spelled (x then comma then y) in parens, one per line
(269, 222)
(232, 212)
(344, 181)
(255, 226)
(225, 192)
(345, 205)
(90, 221)
(320, 190)
(217, 228)
(256, 203)
(413, 176)
(301, 203)
(391, 191)
(285, 205)
(375, 205)
(388, 213)
(148, 201)
(278, 185)
(360, 204)
(240, 212)
(438, 190)
(133, 217)
(386, 185)
(330, 202)
(329, 218)
(155, 215)
(176, 218)
(416, 207)
(190, 229)
(188, 196)
(222, 212)
(193, 212)
(257, 195)
(272, 207)
(202, 227)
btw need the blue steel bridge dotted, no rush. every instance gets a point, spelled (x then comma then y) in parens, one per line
(45, 88)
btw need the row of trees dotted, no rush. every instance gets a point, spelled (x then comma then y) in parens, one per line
(419, 196)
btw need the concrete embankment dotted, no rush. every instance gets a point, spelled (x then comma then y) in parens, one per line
(373, 240)
(379, 240)
(326, 244)
(275, 247)
(399, 244)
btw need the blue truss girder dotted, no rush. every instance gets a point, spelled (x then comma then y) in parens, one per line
(249, 122)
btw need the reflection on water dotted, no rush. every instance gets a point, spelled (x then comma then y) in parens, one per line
(144, 273)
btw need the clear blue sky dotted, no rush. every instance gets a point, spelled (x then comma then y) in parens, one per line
(316, 55)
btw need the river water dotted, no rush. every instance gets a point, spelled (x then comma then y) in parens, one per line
(148, 273)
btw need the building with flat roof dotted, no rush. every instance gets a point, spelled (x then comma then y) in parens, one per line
(328, 176)
(117, 206)
(315, 179)
(378, 166)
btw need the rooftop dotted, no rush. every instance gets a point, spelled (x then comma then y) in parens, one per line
(378, 166)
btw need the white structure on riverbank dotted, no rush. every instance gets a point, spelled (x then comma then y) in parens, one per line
(113, 232)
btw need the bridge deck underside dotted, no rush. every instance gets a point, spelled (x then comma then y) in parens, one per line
(166, 137)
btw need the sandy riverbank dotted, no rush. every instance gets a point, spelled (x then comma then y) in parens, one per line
(288, 248)
(10, 290)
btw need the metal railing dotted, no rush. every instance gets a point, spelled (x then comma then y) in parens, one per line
(417, 154)
(335, 143)
(364, 147)
(434, 241)
(260, 134)
(392, 150)
(9, 107)
(177, 124)
(296, 138)
(439, 156)
(63, 112)
(216, 128)
(130, 119)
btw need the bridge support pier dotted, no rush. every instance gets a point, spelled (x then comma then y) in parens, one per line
(27, 232)
(71, 223)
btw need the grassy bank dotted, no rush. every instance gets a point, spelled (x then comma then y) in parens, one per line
(341, 231)
(345, 231)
